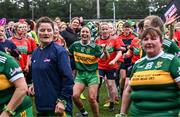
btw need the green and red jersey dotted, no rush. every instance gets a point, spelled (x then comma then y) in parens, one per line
(113, 46)
(127, 40)
(24, 47)
(135, 48)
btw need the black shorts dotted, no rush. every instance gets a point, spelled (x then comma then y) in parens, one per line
(129, 70)
(110, 74)
(125, 66)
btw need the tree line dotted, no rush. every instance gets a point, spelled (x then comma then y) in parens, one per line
(133, 9)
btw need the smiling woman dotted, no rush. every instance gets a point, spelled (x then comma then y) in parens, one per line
(152, 42)
(85, 35)
(154, 78)
(86, 53)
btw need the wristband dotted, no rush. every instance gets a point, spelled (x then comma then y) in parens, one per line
(11, 112)
(123, 115)
(61, 101)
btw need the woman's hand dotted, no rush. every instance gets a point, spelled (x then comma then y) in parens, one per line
(4, 114)
(31, 91)
(59, 108)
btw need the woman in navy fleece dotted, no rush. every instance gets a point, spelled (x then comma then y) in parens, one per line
(51, 74)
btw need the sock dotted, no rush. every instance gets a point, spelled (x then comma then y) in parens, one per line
(111, 105)
(82, 110)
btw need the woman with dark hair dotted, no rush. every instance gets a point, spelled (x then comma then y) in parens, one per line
(70, 34)
(51, 74)
(8, 46)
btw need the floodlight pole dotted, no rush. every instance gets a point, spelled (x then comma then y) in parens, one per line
(32, 10)
(98, 9)
(70, 12)
(114, 13)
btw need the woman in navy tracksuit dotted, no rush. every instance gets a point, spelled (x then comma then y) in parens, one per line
(51, 73)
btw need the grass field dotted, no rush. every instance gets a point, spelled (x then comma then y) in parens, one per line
(103, 111)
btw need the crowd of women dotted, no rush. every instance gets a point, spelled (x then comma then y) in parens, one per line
(54, 62)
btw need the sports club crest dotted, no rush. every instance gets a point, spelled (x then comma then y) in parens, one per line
(158, 64)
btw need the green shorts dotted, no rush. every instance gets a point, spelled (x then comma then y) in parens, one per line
(26, 113)
(87, 78)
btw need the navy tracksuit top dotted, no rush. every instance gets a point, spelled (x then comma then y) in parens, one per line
(52, 77)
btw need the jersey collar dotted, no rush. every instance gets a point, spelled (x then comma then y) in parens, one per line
(85, 44)
(153, 58)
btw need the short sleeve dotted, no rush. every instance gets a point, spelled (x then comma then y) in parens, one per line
(98, 51)
(175, 69)
(12, 69)
(175, 49)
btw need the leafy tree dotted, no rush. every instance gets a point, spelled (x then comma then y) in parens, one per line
(136, 9)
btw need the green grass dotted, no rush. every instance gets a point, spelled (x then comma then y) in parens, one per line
(103, 111)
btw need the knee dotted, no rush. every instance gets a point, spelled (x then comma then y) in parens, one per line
(76, 96)
(110, 87)
(92, 99)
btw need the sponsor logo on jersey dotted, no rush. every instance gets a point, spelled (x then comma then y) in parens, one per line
(85, 58)
(46, 60)
(149, 65)
(159, 64)
(23, 49)
(151, 77)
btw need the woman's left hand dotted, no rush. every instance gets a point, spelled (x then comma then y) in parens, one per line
(112, 62)
(4, 114)
(59, 108)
